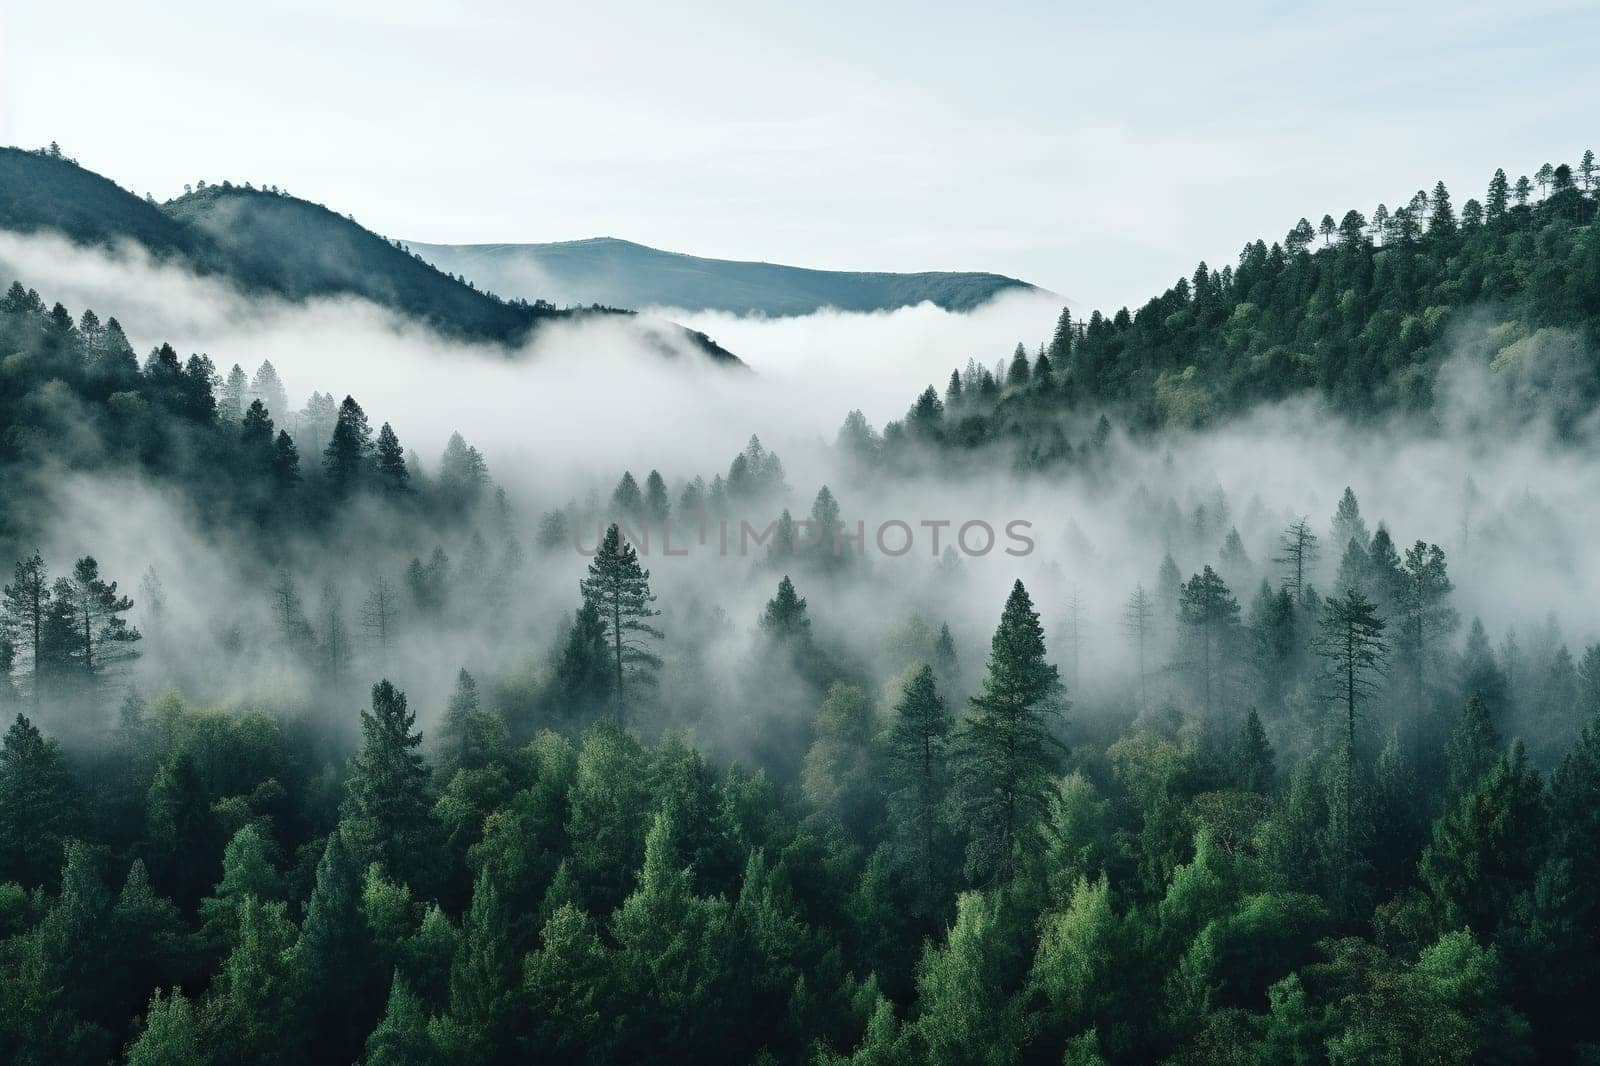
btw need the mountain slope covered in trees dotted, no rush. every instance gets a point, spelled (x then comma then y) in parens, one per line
(1423, 312)
(270, 243)
(1293, 802)
(610, 271)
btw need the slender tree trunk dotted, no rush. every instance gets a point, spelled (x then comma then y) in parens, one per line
(616, 637)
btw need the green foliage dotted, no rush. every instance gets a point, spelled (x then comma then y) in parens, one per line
(1008, 755)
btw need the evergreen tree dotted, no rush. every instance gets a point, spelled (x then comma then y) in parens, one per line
(285, 462)
(1299, 546)
(785, 619)
(103, 636)
(1348, 524)
(1472, 751)
(1009, 757)
(1252, 756)
(333, 961)
(1424, 616)
(255, 436)
(620, 590)
(380, 617)
(231, 404)
(402, 1038)
(1017, 374)
(470, 738)
(918, 734)
(346, 458)
(26, 608)
(627, 502)
(483, 977)
(388, 788)
(268, 388)
(1487, 848)
(656, 505)
(583, 672)
(1496, 200)
(36, 805)
(393, 477)
(171, 1036)
(1352, 644)
(1442, 223)
(1211, 613)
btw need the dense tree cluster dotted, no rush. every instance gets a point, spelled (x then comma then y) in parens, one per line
(1320, 817)
(1362, 318)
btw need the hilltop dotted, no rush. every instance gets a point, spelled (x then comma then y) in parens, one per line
(610, 271)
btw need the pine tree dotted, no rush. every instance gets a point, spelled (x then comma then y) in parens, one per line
(388, 786)
(335, 637)
(1299, 546)
(1136, 619)
(402, 1038)
(470, 738)
(826, 527)
(1423, 617)
(288, 614)
(620, 590)
(26, 608)
(1348, 524)
(379, 617)
(1212, 615)
(1496, 199)
(483, 976)
(946, 660)
(393, 477)
(656, 505)
(171, 1036)
(1352, 644)
(348, 454)
(1487, 848)
(1252, 756)
(627, 502)
(784, 618)
(268, 388)
(1017, 374)
(918, 734)
(1442, 223)
(1061, 340)
(285, 462)
(231, 404)
(1472, 751)
(333, 962)
(255, 436)
(583, 674)
(1008, 755)
(36, 805)
(103, 636)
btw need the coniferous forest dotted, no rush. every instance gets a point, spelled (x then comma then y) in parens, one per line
(1212, 682)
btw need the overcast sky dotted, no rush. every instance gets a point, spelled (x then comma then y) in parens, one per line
(1099, 152)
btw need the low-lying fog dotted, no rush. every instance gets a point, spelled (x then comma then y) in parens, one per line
(563, 419)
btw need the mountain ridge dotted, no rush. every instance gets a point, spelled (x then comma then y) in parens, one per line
(615, 270)
(268, 242)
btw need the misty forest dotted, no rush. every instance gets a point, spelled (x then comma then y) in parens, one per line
(1215, 681)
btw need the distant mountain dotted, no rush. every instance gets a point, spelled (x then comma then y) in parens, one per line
(271, 243)
(609, 271)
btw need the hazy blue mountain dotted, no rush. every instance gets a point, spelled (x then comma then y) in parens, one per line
(610, 271)
(272, 243)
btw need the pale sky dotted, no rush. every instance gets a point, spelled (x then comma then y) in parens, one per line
(1100, 152)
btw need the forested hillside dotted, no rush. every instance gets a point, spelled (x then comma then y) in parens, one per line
(1363, 314)
(317, 750)
(269, 243)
